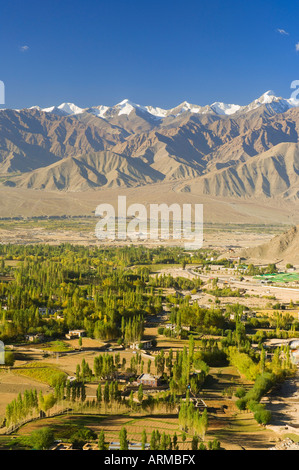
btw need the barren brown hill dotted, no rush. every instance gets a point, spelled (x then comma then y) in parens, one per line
(95, 170)
(271, 174)
(31, 139)
(282, 248)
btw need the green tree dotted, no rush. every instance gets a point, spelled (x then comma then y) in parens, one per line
(215, 445)
(42, 439)
(83, 392)
(81, 436)
(203, 424)
(263, 416)
(9, 358)
(140, 393)
(175, 440)
(106, 393)
(99, 393)
(143, 439)
(153, 444)
(101, 442)
(131, 400)
(49, 401)
(191, 348)
(194, 444)
(78, 372)
(123, 439)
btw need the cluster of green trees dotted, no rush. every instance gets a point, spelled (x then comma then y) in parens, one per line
(105, 291)
(83, 372)
(243, 362)
(162, 441)
(224, 291)
(211, 445)
(191, 420)
(105, 365)
(203, 320)
(251, 400)
(132, 329)
(252, 364)
(179, 283)
(212, 353)
(109, 393)
(157, 441)
(278, 325)
(75, 392)
(21, 408)
(44, 438)
(186, 370)
(25, 406)
(256, 270)
(265, 374)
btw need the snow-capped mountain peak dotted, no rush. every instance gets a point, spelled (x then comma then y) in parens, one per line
(63, 108)
(157, 112)
(70, 108)
(98, 111)
(126, 107)
(225, 109)
(272, 102)
(269, 100)
(267, 97)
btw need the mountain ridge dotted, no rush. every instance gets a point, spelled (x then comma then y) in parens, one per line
(126, 106)
(217, 150)
(282, 248)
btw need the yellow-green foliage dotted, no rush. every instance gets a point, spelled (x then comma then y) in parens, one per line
(56, 346)
(243, 363)
(43, 373)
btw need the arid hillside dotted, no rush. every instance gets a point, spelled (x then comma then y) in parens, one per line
(282, 248)
(241, 162)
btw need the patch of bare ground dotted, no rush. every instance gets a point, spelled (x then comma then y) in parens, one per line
(283, 402)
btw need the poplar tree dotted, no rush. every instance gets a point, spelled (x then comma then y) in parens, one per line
(123, 439)
(101, 442)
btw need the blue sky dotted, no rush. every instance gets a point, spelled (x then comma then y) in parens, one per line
(151, 52)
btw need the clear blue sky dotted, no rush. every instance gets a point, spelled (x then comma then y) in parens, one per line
(158, 52)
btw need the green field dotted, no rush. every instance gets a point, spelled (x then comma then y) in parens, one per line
(41, 372)
(279, 277)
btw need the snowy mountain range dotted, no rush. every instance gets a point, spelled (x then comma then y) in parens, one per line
(219, 150)
(125, 107)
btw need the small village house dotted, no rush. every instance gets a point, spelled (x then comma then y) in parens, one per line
(148, 380)
(141, 345)
(72, 334)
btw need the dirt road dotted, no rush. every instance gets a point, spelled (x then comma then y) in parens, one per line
(284, 405)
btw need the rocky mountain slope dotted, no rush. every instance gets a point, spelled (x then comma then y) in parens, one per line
(282, 248)
(218, 150)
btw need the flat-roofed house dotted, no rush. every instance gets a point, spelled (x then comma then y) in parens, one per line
(149, 380)
(75, 334)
